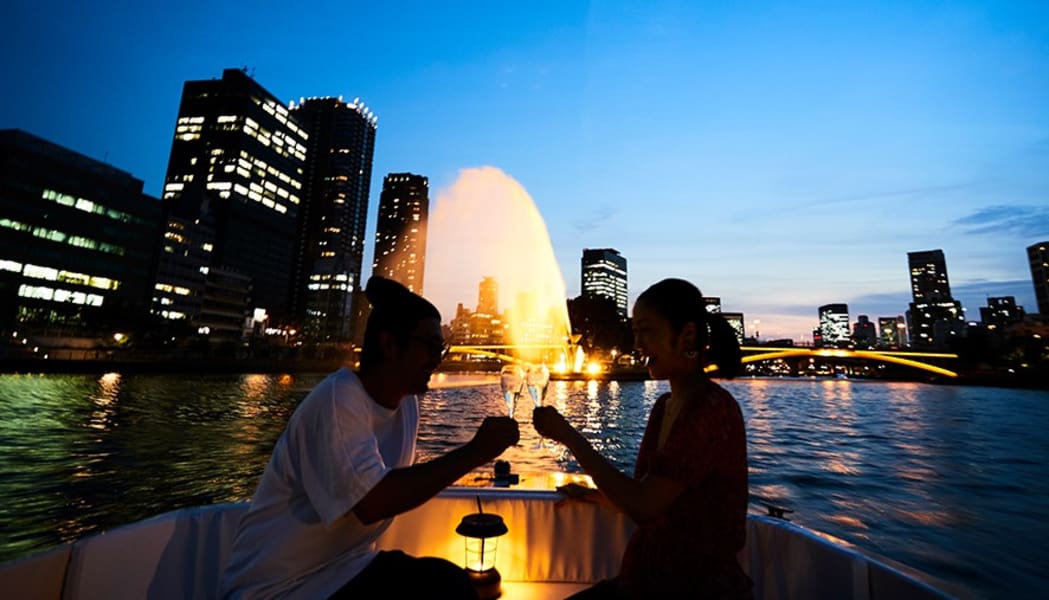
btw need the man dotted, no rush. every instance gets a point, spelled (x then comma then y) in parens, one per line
(342, 469)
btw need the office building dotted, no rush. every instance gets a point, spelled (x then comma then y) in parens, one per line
(486, 325)
(222, 315)
(488, 296)
(712, 304)
(237, 169)
(892, 331)
(1001, 312)
(864, 334)
(735, 320)
(834, 324)
(333, 215)
(400, 233)
(182, 269)
(1038, 256)
(604, 274)
(934, 317)
(77, 242)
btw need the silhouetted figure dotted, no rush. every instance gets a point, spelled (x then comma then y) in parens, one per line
(342, 469)
(688, 494)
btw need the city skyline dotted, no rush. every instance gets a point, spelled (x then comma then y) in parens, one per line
(779, 157)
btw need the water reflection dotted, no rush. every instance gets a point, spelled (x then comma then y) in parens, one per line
(950, 480)
(105, 401)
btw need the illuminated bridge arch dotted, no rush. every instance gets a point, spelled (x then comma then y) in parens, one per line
(478, 351)
(898, 358)
(499, 351)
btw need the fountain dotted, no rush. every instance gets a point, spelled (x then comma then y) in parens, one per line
(486, 225)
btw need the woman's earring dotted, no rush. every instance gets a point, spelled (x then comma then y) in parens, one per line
(691, 354)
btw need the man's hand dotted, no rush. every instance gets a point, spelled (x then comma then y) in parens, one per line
(549, 423)
(495, 435)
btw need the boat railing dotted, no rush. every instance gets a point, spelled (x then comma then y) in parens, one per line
(552, 549)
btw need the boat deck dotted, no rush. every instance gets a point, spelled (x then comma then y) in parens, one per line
(552, 550)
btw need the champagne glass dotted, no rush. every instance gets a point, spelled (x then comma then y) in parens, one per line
(536, 379)
(511, 380)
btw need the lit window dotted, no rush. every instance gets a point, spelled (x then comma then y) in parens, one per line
(38, 272)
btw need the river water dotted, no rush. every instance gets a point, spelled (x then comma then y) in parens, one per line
(953, 481)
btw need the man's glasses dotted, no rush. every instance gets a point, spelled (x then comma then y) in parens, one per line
(434, 345)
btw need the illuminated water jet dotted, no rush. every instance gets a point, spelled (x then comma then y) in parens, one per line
(486, 225)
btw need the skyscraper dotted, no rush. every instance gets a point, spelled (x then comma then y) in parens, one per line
(400, 234)
(77, 241)
(1038, 255)
(488, 296)
(735, 320)
(712, 304)
(236, 168)
(834, 324)
(604, 274)
(934, 316)
(1001, 312)
(483, 326)
(892, 331)
(333, 215)
(864, 333)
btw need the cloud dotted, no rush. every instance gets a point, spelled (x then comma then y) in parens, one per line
(880, 304)
(972, 294)
(600, 216)
(884, 195)
(1021, 220)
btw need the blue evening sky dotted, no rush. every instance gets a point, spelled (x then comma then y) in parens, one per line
(781, 155)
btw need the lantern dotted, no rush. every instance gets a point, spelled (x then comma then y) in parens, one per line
(481, 532)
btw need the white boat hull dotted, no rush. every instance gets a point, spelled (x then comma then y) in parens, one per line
(549, 552)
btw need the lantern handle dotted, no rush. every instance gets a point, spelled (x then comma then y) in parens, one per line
(479, 509)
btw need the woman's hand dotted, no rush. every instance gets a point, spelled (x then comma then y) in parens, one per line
(550, 423)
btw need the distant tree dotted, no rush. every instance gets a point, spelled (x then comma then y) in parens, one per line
(599, 325)
(975, 350)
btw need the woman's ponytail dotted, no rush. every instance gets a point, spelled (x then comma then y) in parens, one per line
(724, 350)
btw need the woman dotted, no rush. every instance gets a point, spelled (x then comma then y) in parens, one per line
(688, 495)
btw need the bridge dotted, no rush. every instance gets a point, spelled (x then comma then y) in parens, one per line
(502, 351)
(752, 354)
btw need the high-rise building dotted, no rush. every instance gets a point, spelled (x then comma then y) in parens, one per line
(333, 215)
(77, 242)
(400, 234)
(183, 264)
(488, 296)
(484, 326)
(222, 315)
(604, 273)
(863, 332)
(236, 165)
(892, 331)
(1038, 255)
(934, 316)
(712, 304)
(834, 324)
(735, 321)
(1001, 312)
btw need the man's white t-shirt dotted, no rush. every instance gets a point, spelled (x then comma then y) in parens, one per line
(299, 538)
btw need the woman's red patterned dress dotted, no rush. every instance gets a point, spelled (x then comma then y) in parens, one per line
(690, 551)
